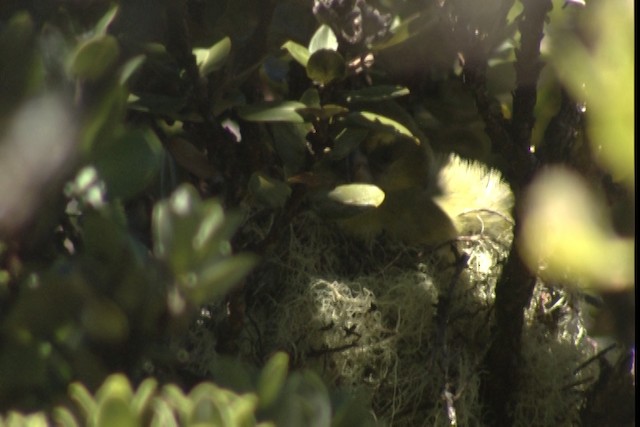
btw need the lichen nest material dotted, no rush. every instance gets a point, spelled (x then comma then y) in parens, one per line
(408, 329)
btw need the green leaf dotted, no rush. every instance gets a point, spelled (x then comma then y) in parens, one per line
(190, 158)
(376, 93)
(278, 111)
(272, 378)
(311, 98)
(129, 165)
(130, 67)
(323, 38)
(115, 386)
(215, 280)
(143, 396)
(346, 141)
(408, 29)
(157, 104)
(357, 195)
(323, 113)
(380, 122)
(175, 223)
(345, 201)
(269, 191)
(298, 52)
(93, 59)
(63, 417)
(115, 412)
(20, 67)
(214, 58)
(242, 410)
(289, 141)
(325, 66)
(79, 394)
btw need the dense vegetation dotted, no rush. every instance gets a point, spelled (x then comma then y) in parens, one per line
(273, 212)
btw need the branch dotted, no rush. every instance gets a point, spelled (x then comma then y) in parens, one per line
(513, 140)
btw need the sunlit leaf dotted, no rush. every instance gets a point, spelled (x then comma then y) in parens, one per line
(602, 73)
(214, 58)
(242, 410)
(381, 122)
(298, 52)
(348, 200)
(115, 412)
(566, 234)
(278, 111)
(357, 195)
(323, 39)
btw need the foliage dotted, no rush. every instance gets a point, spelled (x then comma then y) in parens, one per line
(278, 399)
(177, 175)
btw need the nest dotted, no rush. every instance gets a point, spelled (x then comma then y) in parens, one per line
(408, 327)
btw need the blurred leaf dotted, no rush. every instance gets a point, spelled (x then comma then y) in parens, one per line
(215, 280)
(115, 412)
(95, 57)
(143, 396)
(603, 74)
(130, 67)
(207, 411)
(325, 66)
(566, 233)
(19, 67)
(277, 111)
(63, 417)
(193, 238)
(130, 163)
(307, 402)
(174, 225)
(242, 410)
(104, 321)
(375, 93)
(272, 378)
(268, 191)
(380, 122)
(298, 52)
(323, 39)
(190, 158)
(401, 33)
(214, 58)
(115, 386)
(81, 396)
